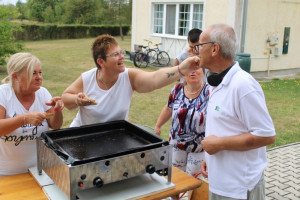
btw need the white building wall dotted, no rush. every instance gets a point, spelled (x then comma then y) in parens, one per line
(265, 18)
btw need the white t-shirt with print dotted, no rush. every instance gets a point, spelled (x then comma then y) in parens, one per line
(18, 149)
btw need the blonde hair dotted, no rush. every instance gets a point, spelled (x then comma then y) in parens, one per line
(19, 62)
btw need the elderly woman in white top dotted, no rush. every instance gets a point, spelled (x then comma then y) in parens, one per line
(26, 110)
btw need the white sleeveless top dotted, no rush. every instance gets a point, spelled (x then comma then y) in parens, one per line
(113, 104)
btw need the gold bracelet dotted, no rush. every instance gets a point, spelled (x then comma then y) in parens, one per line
(75, 99)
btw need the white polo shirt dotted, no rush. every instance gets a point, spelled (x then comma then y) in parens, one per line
(235, 107)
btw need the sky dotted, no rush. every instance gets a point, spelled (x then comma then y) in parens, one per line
(6, 2)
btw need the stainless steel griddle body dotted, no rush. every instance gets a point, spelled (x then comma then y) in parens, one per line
(91, 156)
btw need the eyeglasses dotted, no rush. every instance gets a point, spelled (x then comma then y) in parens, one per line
(117, 54)
(193, 47)
(201, 44)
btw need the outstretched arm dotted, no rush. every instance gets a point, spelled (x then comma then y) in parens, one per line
(143, 81)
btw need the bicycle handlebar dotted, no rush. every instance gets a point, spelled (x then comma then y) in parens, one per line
(149, 42)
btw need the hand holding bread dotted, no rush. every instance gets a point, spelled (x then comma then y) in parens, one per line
(82, 99)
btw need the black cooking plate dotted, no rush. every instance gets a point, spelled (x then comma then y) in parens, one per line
(90, 143)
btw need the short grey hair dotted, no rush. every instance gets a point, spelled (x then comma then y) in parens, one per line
(225, 36)
(19, 62)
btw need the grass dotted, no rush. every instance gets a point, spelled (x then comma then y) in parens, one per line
(64, 60)
(282, 97)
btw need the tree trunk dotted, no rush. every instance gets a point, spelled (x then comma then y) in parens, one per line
(121, 31)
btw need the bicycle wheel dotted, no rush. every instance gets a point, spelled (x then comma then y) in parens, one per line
(152, 56)
(163, 58)
(138, 59)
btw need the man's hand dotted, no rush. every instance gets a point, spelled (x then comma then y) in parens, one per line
(211, 144)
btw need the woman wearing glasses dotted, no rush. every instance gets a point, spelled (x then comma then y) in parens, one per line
(111, 84)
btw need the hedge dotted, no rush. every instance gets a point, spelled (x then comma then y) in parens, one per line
(54, 31)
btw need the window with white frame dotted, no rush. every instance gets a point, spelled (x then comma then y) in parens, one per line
(184, 19)
(170, 18)
(197, 16)
(177, 18)
(158, 18)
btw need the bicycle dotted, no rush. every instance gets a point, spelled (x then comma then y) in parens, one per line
(151, 56)
(142, 56)
(156, 55)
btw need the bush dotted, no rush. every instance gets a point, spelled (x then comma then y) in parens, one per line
(53, 31)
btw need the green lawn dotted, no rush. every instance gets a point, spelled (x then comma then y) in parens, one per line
(282, 97)
(64, 60)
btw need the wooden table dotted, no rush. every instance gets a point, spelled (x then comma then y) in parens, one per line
(183, 182)
(24, 186)
(20, 187)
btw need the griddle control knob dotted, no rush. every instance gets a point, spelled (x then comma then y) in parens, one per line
(125, 174)
(150, 169)
(83, 176)
(98, 182)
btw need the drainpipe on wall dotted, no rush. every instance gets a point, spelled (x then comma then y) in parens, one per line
(245, 9)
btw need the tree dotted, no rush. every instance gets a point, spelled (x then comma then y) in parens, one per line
(79, 12)
(8, 44)
(38, 7)
(49, 15)
(21, 9)
(120, 9)
(59, 10)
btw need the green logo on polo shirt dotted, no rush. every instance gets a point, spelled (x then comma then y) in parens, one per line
(217, 108)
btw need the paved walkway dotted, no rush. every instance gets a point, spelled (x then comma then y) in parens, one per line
(282, 175)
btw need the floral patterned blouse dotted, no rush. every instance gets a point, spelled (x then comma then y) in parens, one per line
(188, 118)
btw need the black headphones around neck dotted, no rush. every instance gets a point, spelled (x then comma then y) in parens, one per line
(214, 79)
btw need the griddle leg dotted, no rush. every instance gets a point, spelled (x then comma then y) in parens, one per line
(40, 171)
(169, 174)
(170, 164)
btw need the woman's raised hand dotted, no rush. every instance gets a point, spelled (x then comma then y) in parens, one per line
(56, 103)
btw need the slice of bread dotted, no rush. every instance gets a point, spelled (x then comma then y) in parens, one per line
(93, 101)
(48, 114)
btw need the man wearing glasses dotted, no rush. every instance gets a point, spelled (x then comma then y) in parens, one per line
(238, 125)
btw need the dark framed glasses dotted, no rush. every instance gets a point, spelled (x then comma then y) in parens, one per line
(201, 44)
